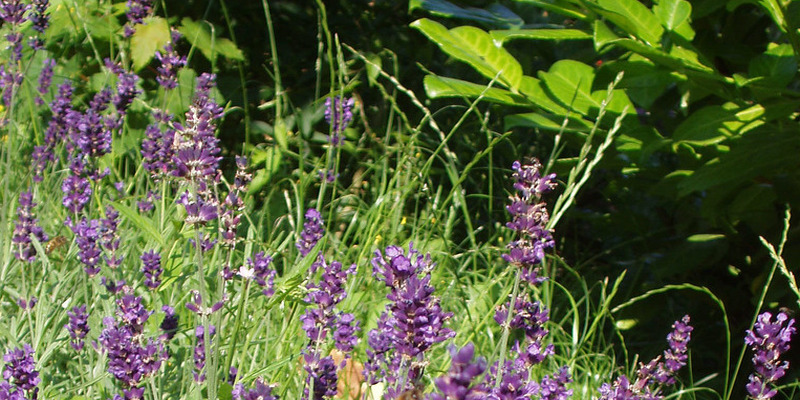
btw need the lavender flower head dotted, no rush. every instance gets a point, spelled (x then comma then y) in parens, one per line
(78, 326)
(660, 372)
(151, 267)
(411, 324)
(20, 369)
(258, 269)
(136, 13)
(313, 230)
(45, 79)
(200, 351)
(87, 237)
(768, 340)
(261, 391)
(195, 148)
(529, 219)
(459, 383)
(171, 62)
(25, 227)
(338, 114)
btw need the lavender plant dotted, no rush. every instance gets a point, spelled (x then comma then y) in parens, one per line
(768, 340)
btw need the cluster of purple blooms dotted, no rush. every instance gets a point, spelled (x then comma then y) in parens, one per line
(12, 13)
(261, 391)
(258, 270)
(411, 324)
(768, 340)
(171, 62)
(233, 206)
(652, 377)
(20, 377)
(338, 114)
(131, 356)
(25, 228)
(313, 230)
(529, 219)
(324, 321)
(78, 326)
(137, 11)
(151, 268)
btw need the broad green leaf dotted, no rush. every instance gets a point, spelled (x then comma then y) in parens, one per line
(571, 83)
(148, 38)
(561, 7)
(545, 122)
(534, 90)
(228, 49)
(496, 14)
(777, 66)
(706, 126)
(476, 48)
(670, 61)
(758, 153)
(618, 103)
(438, 86)
(271, 158)
(146, 225)
(673, 13)
(539, 34)
(643, 81)
(200, 36)
(602, 35)
(773, 7)
(634, 17)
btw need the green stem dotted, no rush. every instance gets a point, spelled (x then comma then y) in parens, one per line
(507, 330)
(239, 315)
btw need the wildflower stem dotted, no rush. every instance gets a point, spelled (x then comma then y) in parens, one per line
(507, 330)
(239, 314)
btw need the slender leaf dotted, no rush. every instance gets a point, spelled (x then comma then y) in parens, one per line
(146, 225)
(546, 122)
(706, 126)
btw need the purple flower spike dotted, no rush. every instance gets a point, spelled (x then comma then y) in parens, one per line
(768, 340)
(660, 372)
(25, 227)
(313, 230)
(412, 323)
(260, 271)
(261, 391)
(338, 114)
(137, 11)
(45, 79)
(151, 267)
(78, 326)
(555, 387)
(529, 219)
(459, 383)
(200, 351)
(20, 369)
(171, 62)
(87, 237)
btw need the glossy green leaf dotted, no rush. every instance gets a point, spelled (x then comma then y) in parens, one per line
(565, 8)
(539, 34)
(438, 86)
(602, 35)
(776, 67)
(759, 153)
(668, 60)
(495, 14)
(634, 17)
(618, 103)
(706, 126)
(545, 122)
(571, 83)
(673, 13)
(476, 48)
(535, 92)
(148, 38)
(705, 237)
